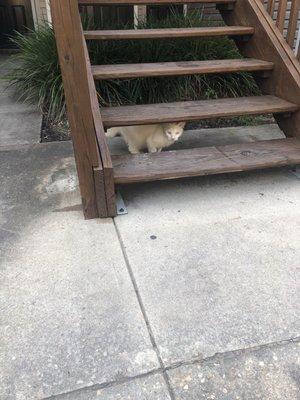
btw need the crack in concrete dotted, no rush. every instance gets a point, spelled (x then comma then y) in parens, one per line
(230, 353)
(162, 370)
(104, 385)
(143, 310)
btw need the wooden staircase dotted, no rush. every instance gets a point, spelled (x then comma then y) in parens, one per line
(267, 55)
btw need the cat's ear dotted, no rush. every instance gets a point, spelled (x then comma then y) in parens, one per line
(181, 124)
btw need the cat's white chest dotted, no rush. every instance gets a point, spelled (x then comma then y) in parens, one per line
(160, 140)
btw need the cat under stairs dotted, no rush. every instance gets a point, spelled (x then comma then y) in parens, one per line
(266, 53)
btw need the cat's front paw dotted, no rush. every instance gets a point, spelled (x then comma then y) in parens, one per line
(134, 150)
(152, 150)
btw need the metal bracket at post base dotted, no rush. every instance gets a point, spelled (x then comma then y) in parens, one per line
(121, 208)
(296, 171)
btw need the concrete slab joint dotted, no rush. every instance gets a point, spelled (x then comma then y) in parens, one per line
(192, 295)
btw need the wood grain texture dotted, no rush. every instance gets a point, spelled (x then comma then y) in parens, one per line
(178, 68)
(194, 110)
(108, 181)
(281, 15)
(100, 192)
(153, 2)
(293, 20)
(206, 161)
(168, 33)
(267, 44)
(70, 45)
(271, 7)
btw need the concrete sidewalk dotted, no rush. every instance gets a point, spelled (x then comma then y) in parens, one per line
(20, 123)
(192, 295)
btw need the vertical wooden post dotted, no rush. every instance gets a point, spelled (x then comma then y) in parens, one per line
(271, 7)
(281, 15)
(293, 20)
(101, 141)
(71, 51)
(297, 49)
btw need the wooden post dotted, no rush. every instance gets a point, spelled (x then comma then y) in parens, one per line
(293, 20)
(297, 49)
(271, 7)
(281, 15)
(74, 68)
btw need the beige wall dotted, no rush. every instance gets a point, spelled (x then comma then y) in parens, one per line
(41, 11)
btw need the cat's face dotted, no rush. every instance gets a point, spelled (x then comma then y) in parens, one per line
(174, 131)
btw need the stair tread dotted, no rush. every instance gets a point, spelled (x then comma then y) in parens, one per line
(169, 32)
(179, 68)
(206, 161)
(194, 110)
(145, 2)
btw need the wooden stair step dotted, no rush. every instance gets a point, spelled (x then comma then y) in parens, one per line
(147, 2)
(194, 110)
(169, 33)
(179, 68)
(206, 161)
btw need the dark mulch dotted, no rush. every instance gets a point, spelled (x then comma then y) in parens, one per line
(54, 132)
